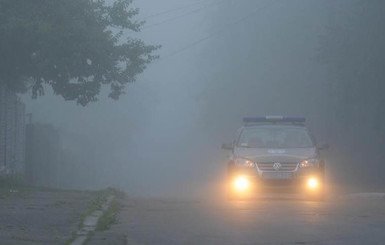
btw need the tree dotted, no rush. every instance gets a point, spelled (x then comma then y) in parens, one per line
(74, 46)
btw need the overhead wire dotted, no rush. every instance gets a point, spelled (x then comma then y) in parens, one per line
(219, 31)
(196, 10)
(173, 10)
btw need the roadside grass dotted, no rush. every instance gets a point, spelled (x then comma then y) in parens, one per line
(12, 182)
(12, 190)
(18, 184)
(95, 204)
(72, 239)
(13, 185)
(109, 217)
(98, 202)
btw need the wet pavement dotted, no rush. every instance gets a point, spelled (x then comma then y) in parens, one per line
(248, 222)
(41, 217)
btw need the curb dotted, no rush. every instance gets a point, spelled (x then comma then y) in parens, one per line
(364, 196)
(90, 223)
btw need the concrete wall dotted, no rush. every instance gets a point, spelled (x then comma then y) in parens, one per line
(12, 133)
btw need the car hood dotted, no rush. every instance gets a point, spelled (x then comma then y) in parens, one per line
(275, 155)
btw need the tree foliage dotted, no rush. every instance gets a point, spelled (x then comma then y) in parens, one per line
(74, 46)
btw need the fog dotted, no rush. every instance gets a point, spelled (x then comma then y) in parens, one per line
(221, 60)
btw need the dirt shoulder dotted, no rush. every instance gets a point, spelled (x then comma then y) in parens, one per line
(41, 217)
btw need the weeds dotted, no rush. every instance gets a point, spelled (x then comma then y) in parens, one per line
(109, 217)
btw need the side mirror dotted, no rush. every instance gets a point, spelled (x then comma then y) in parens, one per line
(323, 146)
(227, 146)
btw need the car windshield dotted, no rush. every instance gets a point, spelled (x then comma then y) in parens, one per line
(275, 137)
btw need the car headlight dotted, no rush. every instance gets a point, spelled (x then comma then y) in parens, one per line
(309, 163)
(312, 183)
(241, 183)
(244, 163)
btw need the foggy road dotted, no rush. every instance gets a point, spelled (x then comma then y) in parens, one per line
(261, 221)
(171, 102)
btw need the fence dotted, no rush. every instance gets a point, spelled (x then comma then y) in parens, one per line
(12, 133)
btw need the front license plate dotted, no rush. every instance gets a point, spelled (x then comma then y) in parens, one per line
(276, 175)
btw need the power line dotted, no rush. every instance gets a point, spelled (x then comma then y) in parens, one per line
(218, 31)
(183, 15)
(171, 19)
(172, 10)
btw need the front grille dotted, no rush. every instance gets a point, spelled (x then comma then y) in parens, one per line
(285, 166)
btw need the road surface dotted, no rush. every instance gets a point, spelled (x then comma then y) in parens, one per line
(32, 217)
(260, 221)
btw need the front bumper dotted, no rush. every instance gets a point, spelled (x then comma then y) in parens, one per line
(303, 180)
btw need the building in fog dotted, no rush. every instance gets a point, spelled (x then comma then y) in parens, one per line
(12, 133)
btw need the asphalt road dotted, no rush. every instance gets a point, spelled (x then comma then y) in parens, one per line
(41, 217)
(260, 221)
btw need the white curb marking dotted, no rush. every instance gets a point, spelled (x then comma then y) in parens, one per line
(90, 223)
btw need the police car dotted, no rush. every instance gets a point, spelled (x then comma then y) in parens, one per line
(275, 153)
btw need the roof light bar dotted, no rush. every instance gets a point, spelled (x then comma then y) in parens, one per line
(273, 119)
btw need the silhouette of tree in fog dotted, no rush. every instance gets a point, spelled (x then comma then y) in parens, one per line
(73, 46)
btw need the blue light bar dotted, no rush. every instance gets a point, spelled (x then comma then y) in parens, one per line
(274, 119)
